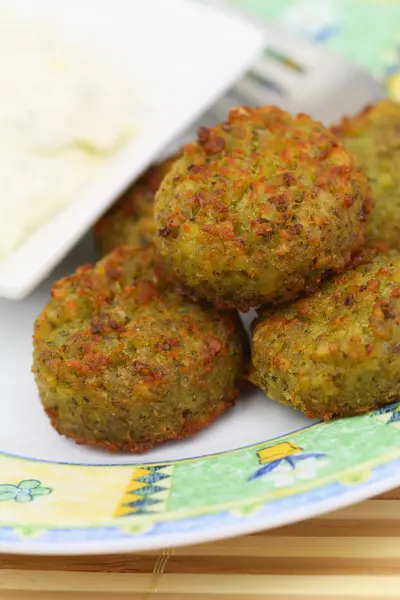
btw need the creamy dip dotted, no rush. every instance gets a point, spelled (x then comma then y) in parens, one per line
(62, 115)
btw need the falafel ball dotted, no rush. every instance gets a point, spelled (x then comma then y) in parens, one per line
(373, 136)
(336, 352)
(260, 208)
(131, 220)
(122, 362)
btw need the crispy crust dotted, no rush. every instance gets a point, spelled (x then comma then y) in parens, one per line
(124, 363)
(260, 208)
(373, 136)
(336, 353)
(189, 428)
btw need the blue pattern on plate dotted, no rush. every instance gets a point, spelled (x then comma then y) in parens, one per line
(310, 498)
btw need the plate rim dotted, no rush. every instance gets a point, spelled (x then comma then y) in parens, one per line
(131, 545)
(234, 525)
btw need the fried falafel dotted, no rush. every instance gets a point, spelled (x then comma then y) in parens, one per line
(123, 363)
(131, 220)
(373, 136)
(336, 353)
(260, 208)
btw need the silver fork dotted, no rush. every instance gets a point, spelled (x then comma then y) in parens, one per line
(298, 76)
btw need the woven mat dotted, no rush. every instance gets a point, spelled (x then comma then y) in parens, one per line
(350, 554)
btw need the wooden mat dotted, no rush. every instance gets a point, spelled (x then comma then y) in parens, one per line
(350, 554)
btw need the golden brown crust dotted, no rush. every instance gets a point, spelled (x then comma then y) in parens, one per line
(337, 352)
(260, 208)
(189, 428)
(122, 361)
(373, 136)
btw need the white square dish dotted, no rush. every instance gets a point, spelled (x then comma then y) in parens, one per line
(179, 56)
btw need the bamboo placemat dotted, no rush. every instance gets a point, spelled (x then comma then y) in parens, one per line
(353, 553)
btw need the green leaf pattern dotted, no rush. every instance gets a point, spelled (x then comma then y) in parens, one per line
(25, 491)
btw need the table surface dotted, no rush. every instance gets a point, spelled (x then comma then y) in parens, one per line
(353, 553)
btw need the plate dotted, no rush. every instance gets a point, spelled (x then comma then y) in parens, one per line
(261, 465)
(178, 57)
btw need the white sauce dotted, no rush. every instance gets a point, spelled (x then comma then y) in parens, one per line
(62, 115)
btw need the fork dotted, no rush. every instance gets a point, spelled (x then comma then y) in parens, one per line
(298, 76)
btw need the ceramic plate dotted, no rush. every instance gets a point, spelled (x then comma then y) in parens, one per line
(178, 57)
(260, 466)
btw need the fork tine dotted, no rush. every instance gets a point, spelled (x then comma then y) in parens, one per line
(284, 78)
(287, 43)
(317, 82)
(328, 87)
